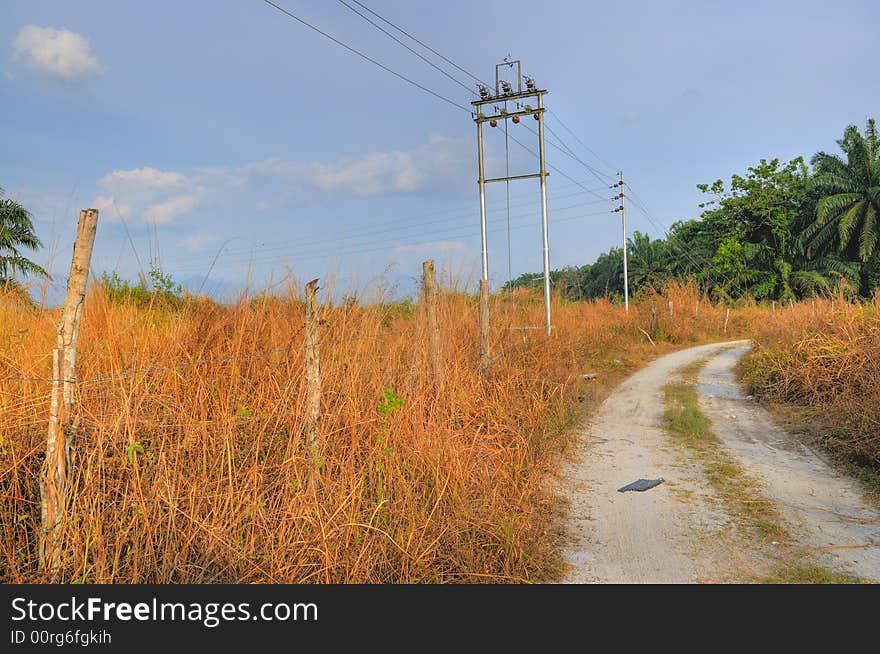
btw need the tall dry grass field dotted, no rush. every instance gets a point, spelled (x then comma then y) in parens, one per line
(825, 357)
(189, 461)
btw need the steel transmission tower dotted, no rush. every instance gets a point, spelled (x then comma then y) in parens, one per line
(512, 91)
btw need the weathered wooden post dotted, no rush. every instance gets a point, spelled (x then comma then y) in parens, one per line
(56, 473)
(671, 309)
(431, 300)
(314, 447)
(484, 327)
(726, 319)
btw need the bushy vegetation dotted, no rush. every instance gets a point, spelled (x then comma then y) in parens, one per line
(161, 288)
(190, 464)
(781, 231)
(828, 362)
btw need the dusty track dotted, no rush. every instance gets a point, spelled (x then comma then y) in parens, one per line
(679, 532)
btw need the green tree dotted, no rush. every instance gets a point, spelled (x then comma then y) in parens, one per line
(848, 213)
(16, 235)
(754, 229)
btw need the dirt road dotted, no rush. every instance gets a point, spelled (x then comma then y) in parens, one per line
(680, 532)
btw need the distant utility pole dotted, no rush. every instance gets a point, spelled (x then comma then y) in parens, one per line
(506, 92)
(622, 209)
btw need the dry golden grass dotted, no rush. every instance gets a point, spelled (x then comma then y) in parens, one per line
(825, 355)
(196, 472)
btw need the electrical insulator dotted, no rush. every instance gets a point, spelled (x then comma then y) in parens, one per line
(537, 116)
(493, 123)
(516, 120)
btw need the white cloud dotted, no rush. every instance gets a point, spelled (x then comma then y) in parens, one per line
(197, 242)
(143, 178)
(57, 53)
(163, 213)
(439, 162)
(110, 209)
(161, 196)
(155, 196)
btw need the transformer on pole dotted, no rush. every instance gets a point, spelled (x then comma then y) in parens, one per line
(513, 92)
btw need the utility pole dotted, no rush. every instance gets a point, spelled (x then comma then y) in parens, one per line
(544, 235)
(507, 92)
(622, 209)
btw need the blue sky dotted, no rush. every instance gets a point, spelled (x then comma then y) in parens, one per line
(223, 126)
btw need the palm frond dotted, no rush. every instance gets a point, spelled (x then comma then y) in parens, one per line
(869, 232)
(831, 164)
(807, 282)
(834, 182)
(848, 223)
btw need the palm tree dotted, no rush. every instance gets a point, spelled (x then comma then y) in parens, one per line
(848, 214)
(16, 234)
(648, 261)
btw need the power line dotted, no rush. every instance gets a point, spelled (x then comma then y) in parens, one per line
(319, 255)
(564, 148)
(426, 89)
(367, 57)
(421, 43)
(641, 207)
(417, 54)
(567, 150)
(554, 168)
(410, 224)
(682, 247)
(309, 248)
(585, 146)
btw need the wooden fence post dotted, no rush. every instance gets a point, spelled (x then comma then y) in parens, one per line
(671, 309)
(726, 318)
(653, 317)
(774, 306)
(56, 473)
(697, 309)
(431, 299)
(484, 327)
(314, 447)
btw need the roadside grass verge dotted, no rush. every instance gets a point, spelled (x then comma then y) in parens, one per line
(823, 363)
(190, 464)
(788, 572)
